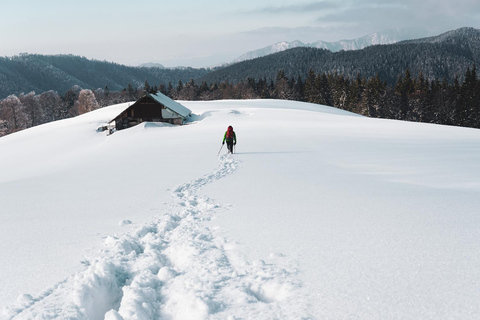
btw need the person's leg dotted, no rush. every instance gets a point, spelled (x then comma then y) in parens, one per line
(230, 146)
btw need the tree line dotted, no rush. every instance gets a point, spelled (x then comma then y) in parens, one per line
(410, 98)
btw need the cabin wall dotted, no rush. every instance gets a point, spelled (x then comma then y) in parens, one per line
(145, 109)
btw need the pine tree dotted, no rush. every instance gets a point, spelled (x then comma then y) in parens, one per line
(470, 97)
(179, 86)
(298, 90)
(310, 89)
(71, 96)
(170, 90)
(146, 87)
(130, 92)
(282, 88)
(162, 89)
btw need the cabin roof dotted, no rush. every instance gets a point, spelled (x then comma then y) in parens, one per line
(170, 104)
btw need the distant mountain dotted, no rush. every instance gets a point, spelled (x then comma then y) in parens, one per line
(152, 65)
(40, 73)
(161, 66)
(274, 48)
(447, 55)
(384, 37)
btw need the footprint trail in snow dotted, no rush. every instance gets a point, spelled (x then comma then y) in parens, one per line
(176, 267)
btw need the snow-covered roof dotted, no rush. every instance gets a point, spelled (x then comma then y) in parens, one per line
(168, 103)
(171, 104)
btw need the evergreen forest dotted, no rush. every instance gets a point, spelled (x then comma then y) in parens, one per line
(411, 98)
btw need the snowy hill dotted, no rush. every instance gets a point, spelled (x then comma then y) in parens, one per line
(384, 37)
(321, 214)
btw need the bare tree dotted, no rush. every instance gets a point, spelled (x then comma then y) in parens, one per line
(245, 91)
(51, 104)
(31, 109)
(11, 111)
(86, 102)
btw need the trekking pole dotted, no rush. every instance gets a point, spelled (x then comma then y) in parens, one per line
(220, 149)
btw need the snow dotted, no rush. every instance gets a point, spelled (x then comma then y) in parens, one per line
(171, 104)
(321, 214)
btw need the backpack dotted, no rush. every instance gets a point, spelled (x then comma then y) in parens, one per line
(230, 133)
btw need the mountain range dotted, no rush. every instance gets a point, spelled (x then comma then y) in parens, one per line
(444, 56)
(383, 37)
(40, 73)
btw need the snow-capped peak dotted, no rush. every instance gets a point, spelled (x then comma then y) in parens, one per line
(383, 37)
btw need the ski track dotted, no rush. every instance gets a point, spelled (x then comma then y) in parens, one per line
(174, 268)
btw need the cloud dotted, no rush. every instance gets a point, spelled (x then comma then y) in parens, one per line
(269, 31)
(383, 15)
(299, 8)
(433, 15)
(305, 34)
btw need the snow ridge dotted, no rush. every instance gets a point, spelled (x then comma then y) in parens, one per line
(173, 268)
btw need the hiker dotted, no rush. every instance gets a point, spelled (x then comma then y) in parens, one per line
(231, 139)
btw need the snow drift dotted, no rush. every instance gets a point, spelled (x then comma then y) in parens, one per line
(320, 214)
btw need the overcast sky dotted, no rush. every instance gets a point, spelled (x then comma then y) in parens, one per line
(203, 33)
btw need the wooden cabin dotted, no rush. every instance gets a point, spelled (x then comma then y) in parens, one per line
(152, 108)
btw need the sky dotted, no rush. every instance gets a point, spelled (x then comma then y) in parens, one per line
(200, 33)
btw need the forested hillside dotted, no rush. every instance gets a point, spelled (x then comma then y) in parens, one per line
(444, 56)
(430, 80)
(41, 73)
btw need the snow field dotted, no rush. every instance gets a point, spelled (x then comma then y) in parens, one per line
(172, 268)
(320, 214)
